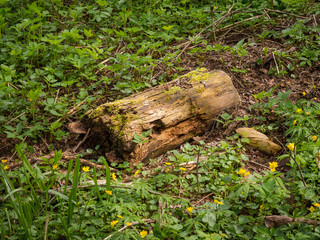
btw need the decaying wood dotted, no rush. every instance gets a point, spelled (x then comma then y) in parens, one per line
(279, 220)
(176, 112)
(259, 141)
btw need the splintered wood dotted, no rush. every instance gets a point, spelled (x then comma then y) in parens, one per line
(175, 112)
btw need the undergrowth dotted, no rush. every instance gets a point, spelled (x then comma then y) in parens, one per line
(59, 58)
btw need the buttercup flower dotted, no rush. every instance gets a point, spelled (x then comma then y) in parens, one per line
(261, 207)
(216, 201)
(291, 146)
(299, 110)
(294, 122)
(241, 171)
(168, 163)
(114, 223)
(311, 209)
(143, 233)
(316, 205)
(109, 192)
(54, 166)
(314, 138)
(246, 173)
(303, 93)
(189, 209)
(183, 169)
(136, 172)
(273, 166)
(307, 113)
(86, 169)
(114, 177)
(4, 160)
(223, 235)
(128, 224)
(5, 167)
(315, 98)
(119, 216)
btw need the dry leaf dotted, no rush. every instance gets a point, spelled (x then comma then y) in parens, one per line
(77, 127)
(259, 141)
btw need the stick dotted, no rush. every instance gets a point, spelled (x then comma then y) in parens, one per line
(82, 141)
(275, 61)
(16, 117)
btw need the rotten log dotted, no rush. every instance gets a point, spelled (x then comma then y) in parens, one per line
(175, 112)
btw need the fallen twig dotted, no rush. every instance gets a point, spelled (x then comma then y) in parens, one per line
(82, 141)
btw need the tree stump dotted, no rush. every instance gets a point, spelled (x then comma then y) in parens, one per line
(175, 112)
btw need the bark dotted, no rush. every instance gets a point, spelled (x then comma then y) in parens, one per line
(176, 112)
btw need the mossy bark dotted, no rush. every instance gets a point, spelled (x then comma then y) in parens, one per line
(176, 112)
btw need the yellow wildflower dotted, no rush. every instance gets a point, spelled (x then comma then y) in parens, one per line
(303, 93)
(299, 110)
(273, 164)
(168, 163)
(4, 160)
(119, 216)
(86, 169)
(217, 201)
(214, 8)
(241, 171)
(294, 122)
(223, 235)
(109, 192)
(246, 173)
(315, 98)
(316, 205)
(311, 209)
(151, 232)
(114, 177)
(143, 233)
(5, 167)
(307, 113)
(55, 166)
(183, 169)
(314, 138)
(136, 172)
(189, 209)
(261, 207)
(128, 224)
(114, 223)
(291, 146)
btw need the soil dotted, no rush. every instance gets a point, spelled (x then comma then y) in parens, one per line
(256, 79)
